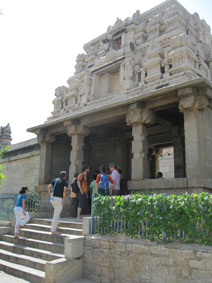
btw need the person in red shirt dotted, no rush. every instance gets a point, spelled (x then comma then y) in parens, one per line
(102, 182)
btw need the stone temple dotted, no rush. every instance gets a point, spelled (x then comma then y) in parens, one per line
(142, 87)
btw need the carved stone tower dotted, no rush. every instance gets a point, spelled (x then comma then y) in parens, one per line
(5, 135)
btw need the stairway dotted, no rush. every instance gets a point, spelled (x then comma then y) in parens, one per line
(27, 256)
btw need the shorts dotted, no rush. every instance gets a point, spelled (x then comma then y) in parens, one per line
(82, 200)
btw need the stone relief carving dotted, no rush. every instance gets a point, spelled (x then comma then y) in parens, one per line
(81, 63)
(163, 46)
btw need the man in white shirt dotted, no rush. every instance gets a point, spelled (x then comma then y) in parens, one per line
(116, 178)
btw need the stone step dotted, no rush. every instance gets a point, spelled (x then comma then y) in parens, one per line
(43, 236)
(64, 230)
(35, 243)
(63, 223)
(24, 250)
(27, 273)
(5, 224)
(24, 260)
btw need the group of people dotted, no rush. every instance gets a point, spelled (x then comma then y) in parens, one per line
(104, 183)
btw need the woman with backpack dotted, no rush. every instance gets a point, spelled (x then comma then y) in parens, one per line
(102, 182)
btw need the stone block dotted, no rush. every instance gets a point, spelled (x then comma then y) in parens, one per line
(129, 247)
(162, 270)
(86, 225)
(120, 273)
(120, 246)
(62, 270)
(180, 261)
(208, 265)
(91, 242)
(141, 249)
(74, 247)
(105, 261)
(159, 250)
(166, 260)
(184, 254)
(104, 245)
(101, 252)
(197, 264)
(185, 271)
(198, 274)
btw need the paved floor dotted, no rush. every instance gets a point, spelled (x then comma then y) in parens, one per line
(6, 278)
(83, 281)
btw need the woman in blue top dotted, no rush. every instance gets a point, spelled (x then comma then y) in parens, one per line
(21, 215)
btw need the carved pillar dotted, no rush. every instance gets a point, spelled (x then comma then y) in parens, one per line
(77, 132)
(45, 142)
(138, 118)
(197, 118)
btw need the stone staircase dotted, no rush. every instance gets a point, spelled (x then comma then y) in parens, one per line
(27, 256)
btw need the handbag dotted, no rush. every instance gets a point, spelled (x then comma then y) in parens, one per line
(52, 193)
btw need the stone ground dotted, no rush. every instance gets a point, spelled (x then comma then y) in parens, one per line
(6, 278)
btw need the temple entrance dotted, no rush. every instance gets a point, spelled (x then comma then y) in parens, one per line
(166, 144)
(110, 144)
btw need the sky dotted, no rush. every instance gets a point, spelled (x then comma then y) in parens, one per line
(39, 43)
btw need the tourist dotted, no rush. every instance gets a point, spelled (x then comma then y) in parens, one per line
(102, 182)
(93, 189)
(74, 196)
(159, 175)
(83, 190)
(116, 179)
(57, 189)
(121, 181)
(21, 215)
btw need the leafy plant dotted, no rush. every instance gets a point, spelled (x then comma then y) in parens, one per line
(185, 217)
(2, 151)
(32, 201)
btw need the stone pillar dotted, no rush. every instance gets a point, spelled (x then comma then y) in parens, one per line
(138, 118)
(77, 132)
(45, 142)
(194, 104)
(179, 170)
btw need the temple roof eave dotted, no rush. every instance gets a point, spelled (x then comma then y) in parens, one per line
(127, 100)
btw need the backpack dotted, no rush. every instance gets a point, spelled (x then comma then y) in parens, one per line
(75, 188)
(104, 182)
(74, 185)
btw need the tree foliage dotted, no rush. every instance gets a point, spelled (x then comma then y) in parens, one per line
(2, 151)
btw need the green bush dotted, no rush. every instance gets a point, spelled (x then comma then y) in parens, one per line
(170, 217)
(2, 151)
(32, 201)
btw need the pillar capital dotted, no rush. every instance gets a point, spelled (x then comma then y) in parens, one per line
(45, 138)
(139, 115)
(192, 98)
(76, 128)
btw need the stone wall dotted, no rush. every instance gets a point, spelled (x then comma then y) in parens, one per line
(21, 167)
(120, 260)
